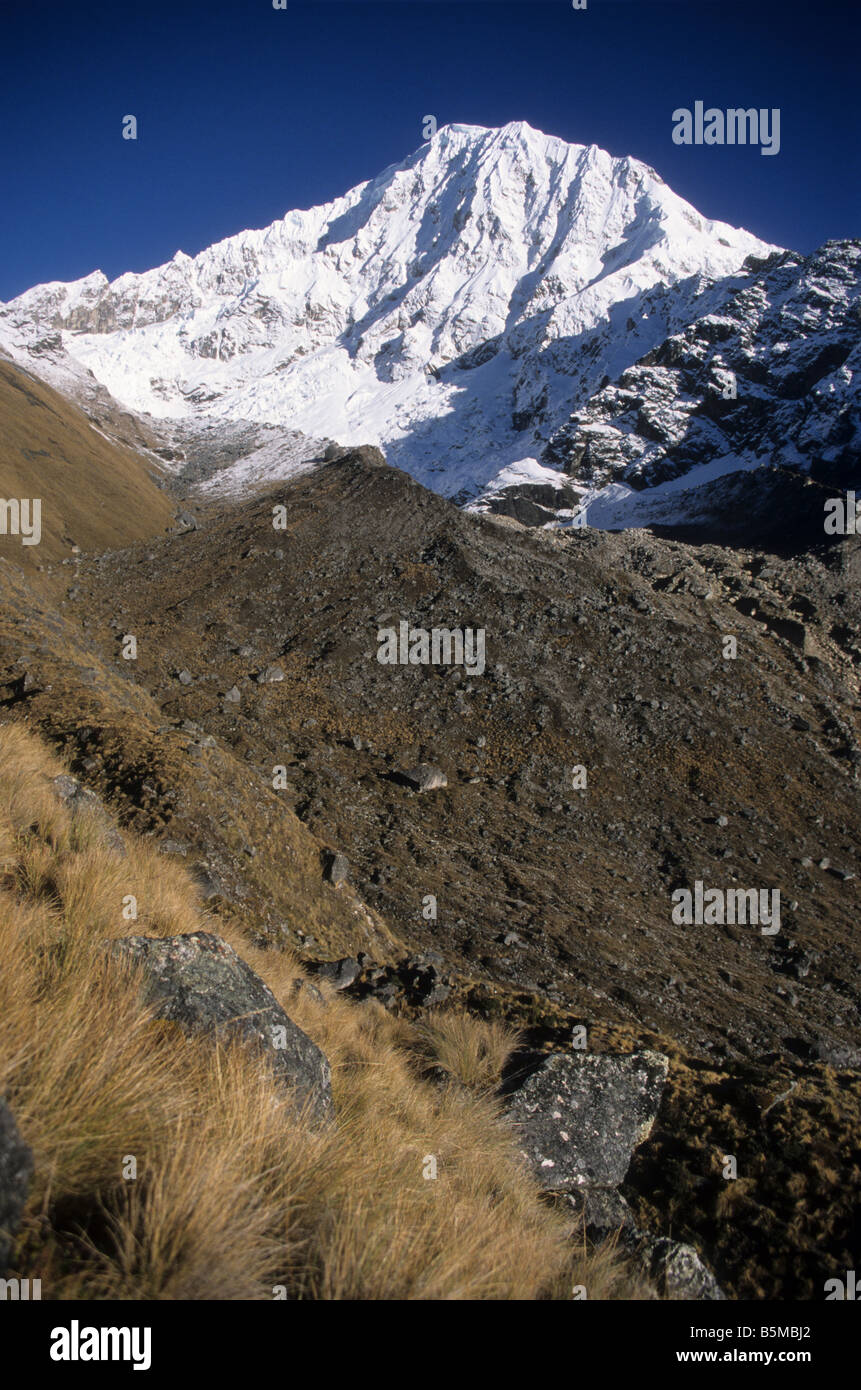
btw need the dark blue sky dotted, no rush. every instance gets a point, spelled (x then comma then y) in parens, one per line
(245, 111)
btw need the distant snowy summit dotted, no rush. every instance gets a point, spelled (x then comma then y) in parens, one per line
(458, 310)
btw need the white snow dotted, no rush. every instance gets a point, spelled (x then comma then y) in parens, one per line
(551, 262)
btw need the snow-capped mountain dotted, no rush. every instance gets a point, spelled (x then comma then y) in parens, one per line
(766, 377)
(455, 310)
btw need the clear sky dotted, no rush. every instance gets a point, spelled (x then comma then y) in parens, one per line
(245, 111)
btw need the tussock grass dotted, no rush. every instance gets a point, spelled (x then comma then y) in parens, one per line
(470, 1050)
(238, 1193)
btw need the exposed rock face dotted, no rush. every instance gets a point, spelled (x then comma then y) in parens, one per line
(81, 801)
(199, 981)
(765, 377)
(491, 274)
(581, 1115)
(16, 1168)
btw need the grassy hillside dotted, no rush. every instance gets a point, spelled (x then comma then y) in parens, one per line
(237, 1193)
(96, 494)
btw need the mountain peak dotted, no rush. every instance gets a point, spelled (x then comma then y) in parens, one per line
(454, 310)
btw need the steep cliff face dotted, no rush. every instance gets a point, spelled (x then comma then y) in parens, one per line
(767, 377)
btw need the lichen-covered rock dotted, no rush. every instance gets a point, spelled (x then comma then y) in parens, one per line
(678, 1270)
(16, 1168)
(579, 1116)
(199, 981)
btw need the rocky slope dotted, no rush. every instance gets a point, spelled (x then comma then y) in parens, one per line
(258, 737)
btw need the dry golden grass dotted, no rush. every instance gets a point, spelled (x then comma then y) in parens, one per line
(237, 1192)
(467, 1049)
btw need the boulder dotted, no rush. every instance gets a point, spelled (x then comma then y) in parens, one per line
(336, 868)
(270, 675)
(579, 1116)
(16, 1169)
(425, 777)
(678, 1271)
(340, 973)
(199, 982)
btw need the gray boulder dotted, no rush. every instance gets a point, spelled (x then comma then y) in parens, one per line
(16, 1169)
(200, 982)
(340, 973)
(678, 1271)
(426, 777)
(336, 868)
(270, 675)
(579, 1116)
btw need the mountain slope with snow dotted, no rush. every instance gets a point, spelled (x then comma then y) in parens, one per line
(765, 377)
(455, 310)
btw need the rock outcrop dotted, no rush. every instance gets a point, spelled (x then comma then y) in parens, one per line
(579, 1116)
(199, 981)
